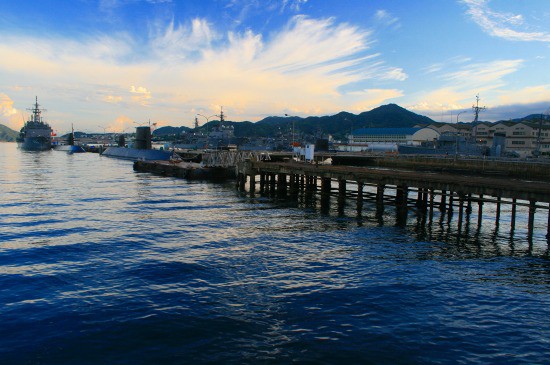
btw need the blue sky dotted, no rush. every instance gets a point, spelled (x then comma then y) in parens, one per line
(113, 64)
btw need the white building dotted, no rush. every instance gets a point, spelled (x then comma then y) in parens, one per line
(387, 139)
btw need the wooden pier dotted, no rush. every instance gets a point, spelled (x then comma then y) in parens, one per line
(447, 192)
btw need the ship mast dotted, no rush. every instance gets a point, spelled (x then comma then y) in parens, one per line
(477, 109)
(36, 111)
(221, 116)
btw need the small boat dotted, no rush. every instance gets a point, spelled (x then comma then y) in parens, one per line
(36, 135)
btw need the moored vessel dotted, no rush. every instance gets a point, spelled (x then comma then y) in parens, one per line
(36, 135)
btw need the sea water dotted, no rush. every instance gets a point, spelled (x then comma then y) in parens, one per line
(100, 264)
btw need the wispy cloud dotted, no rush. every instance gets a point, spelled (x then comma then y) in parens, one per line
(294, 5)
(447, 64)
(194, 66)
(460, 86)
(503, 25)
(384, 18)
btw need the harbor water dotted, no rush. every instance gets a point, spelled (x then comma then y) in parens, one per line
(100, 264)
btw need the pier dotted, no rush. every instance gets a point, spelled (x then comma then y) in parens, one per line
(449, 185)
(424, 191)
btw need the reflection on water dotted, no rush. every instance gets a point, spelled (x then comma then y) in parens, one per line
(104, 265)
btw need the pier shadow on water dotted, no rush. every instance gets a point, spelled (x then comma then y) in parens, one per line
(465, 231)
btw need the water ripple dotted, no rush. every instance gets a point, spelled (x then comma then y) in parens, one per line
(99, 264)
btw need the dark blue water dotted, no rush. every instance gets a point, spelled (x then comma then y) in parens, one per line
(99, 264)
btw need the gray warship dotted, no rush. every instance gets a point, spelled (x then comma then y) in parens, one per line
(36, 135)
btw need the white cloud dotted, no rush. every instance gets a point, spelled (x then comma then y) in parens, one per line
(192, 67)
(460, 87)
(184, 41)
(9, 116)
(294, 5)
(501, 24)
(384, 18)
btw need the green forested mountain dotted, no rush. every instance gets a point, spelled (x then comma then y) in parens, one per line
(340, 124)
(389, 116)
(7, 134)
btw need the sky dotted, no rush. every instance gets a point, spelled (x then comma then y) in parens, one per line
(112, 65)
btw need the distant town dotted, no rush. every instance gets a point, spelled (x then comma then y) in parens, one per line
(388, 129)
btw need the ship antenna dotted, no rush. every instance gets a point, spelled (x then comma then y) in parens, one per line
(477, 109)
(36, 111)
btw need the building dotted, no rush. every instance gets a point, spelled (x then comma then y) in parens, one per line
(376, 139)
(523, 138)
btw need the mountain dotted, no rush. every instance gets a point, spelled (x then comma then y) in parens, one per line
(390, 116)
(7, 134)
(338, 125)
(166, 131)
(530, 118)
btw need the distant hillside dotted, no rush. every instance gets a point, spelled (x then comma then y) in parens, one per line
(165, 131)
(529, 118)
(340, 124)
(7, 134)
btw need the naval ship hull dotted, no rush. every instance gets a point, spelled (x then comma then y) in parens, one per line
(35, 144)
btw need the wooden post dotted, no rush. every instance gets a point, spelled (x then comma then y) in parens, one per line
(252, 184)
(497, 218)
(402, 196)
(294, 186)
(359, 197)
(513, 218)
(424, 199)
(341, 194)
(419, 197)
(531, 222)
(431, 214)
(325, 194)
(281, 185)
(460, 210)
(380, 194)
(479, 211)
(272, 184)
(262, 183)
(442, 203)
(238, 182)
(243, 182)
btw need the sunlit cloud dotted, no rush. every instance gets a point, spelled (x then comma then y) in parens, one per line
(9, 115)
(140, 95)
(460, 87)
(372, 98)
(194, 67)
(121, 124)
(112, 99)
(502, 25)
(527, 95)
(176, 43)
